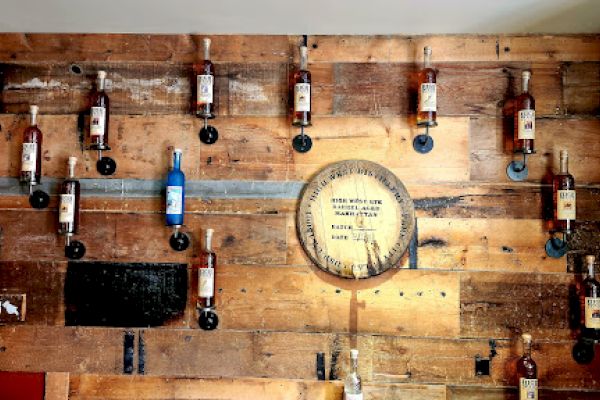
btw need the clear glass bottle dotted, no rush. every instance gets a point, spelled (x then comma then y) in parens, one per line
(68, 208)
(31, 157)
(564, 196)
(302, 91)
(205, 84)
(524, 118)
(591, 301)
(353, 383)
(427, 92)
(99, 115)
(175, 192)
(527, 372)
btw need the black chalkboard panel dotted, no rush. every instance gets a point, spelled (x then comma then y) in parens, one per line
(124, 295)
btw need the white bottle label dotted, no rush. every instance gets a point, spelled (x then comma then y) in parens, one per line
(528, 389)
(302, 97)
(348, 396)
(592, 312)
(66, 209)
(97, 121)
(206, 282)
(566, 207)
(174, 200)
(29, 157)
(205, 88)
(428, 97)
(526, 126)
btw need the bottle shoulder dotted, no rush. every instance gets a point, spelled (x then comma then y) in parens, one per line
(32, 134)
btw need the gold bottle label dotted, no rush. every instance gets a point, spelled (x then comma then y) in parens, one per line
(566, 207)
(528, 389)
(428, 97)
(205, 85)
(302, 97)
(592, 312)
(526, 127)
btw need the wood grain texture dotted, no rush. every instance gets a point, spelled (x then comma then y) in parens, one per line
(478, 393)
(57, 386)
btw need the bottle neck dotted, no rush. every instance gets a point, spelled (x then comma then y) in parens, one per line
(71, 171)
(176, 161)
(591, 272)
(525, 85)
(564, 165)
(427, 60)
(208, 243)
(206, 51)
(527, 349)
(33, 119)
(101, 84)
(355, 365)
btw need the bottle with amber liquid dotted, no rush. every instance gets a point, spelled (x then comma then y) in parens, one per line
(527, 372)
(208, 319)
(302, 91)
(31, 157)
(591, 301)
(205, 84)
(564, 196)
(427, 92)
(68, 208)
(99, 115)
(524, 119)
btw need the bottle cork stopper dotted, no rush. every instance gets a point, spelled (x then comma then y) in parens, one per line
(209, 232)
(178, 151)
(526, 337)
(303, 51)
(72, 161)
(526, 74)
(101, 74)
(33, 109)
(206, 42)
(427, 50)
(354, 353)
(564, 153)
(589, 259)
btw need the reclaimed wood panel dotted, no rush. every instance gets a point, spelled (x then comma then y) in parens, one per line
(501, 305)
(581, 88)
(549, 47)
(480, 393)
(57, 386)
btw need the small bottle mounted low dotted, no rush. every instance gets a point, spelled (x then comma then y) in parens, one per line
(589, 298)
(31, 161)
(68, 212)
(426, 103)
(208, 318)
(175, 203)
(301, 99)
(527, 372)
(353, 382)
(204, 106)
(99, 124)
(565, 206)
(524, 130)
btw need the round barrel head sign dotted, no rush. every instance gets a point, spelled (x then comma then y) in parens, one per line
(355, 219)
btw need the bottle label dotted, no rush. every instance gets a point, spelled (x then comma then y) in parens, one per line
(526, 126)
(566, 206)
(97, 121)
(348, 396)
(592, 312)
(206, 282)
(66, 209)
(174, 200)
(428, 97)
(205, 88)
(528, 389)
(29, 157)
(302, 97)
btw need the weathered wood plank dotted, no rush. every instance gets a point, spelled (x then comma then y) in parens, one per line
(481, 393)
(491, 154)
(505, 304)
(57, 386)
(549, 48)
(581, 88)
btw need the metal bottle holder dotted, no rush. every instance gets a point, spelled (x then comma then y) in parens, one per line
(423, 143)
(179, 241)
(74, 249)
(208, 319)
(557, 247)
(208, 133)
(583, 351)
(38, 198)
(302, 142)
(517, 170)
(105, 165)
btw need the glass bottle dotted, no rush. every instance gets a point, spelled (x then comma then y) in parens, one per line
(68, 209)
(175, 192)
(524, 118)
(353, 383)
(564, 196)
(206, 274)
(302, 91)
(591, 301)
(427, 92)
(527, 372)
(205, 84)
(99, 115)
(31, 157)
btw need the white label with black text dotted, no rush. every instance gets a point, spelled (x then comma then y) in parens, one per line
(592, 312)
(302, 97)
(566, 207)
(97, 121)
(29, 157)
(66, 210)
(428, 97)
(174, 200)
(353, 396)
(526, 126)
(205, 88)
(528, 389)
(206, 282)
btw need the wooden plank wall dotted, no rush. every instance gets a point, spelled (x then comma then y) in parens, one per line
(482, 272)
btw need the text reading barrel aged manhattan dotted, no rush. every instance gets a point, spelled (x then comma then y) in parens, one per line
(99, 115)
(427, 92)
(564, 196)
(68, 212)
(353, 382)
(524, 119)
(205, 83)
(31, 161)
(591, 301)
(527, 372)
(175, 202)
(208, 319)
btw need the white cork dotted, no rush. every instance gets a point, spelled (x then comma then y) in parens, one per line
(354, 353)
(526, 74)
(526, 337)
(33, 110)
(101, 74)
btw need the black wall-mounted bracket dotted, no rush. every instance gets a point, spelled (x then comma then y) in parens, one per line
(38, 198)
(517, 170)
(557, 247)
(105, 165)
(483, 365)
(179, 241)
(74, 249)
(302, 142)
(208, 134)
(208, 319)
(583, 350)
(423, 143)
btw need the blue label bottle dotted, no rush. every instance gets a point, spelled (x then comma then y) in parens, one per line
(175, 192)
